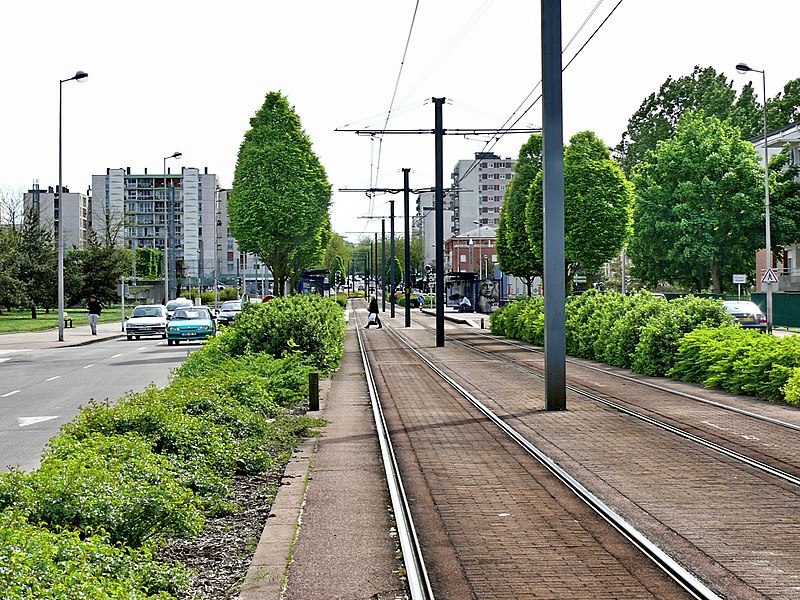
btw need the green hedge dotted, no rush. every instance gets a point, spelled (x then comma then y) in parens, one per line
(742, 361)
(688, 338)
(121, 479)
(308, 323)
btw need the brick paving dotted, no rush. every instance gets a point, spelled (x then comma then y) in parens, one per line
(737, 529)
(509, 528)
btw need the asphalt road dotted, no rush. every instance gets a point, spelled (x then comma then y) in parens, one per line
(43, 388)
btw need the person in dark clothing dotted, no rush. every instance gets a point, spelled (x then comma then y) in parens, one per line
(94, 307)
(373, 319)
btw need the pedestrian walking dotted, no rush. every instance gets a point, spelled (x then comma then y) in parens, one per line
(95, 307)
(373, 318)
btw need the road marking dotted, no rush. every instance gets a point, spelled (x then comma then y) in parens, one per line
(25, 421)
(5, 359)
(117, 355)
(10, 394)
(53, 377)
(87, 366)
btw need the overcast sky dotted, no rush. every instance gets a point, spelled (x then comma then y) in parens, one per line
(188, 75)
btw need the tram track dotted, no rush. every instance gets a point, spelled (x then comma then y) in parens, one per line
(672, 568)
(751, 456)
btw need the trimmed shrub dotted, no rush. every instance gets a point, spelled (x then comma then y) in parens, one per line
(65, 565)
(620, 343)
(310, 324)
(660, 338)
(112, 483)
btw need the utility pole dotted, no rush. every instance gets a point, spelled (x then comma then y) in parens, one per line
(555, 374)
(383, 262)
(438, 132)
(439, 183)
(392, 284)
(407, 245)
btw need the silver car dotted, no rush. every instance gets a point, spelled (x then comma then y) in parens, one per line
(147, 319)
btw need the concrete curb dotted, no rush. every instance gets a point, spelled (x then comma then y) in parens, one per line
(266, 575)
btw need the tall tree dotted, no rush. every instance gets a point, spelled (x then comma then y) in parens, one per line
(659, 114)
(11, 285)
(516, 256)
(699, 211)
(38, 263)
(337, 248)
(598, 201)
(279, 203)
(100, 267)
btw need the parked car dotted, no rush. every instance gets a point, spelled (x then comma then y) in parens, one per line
(190, 323)
(228, 312)
(177, 303)
(747, 314)
(147, 319)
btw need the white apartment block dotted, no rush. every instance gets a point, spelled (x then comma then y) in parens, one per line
(479, 186)
(76, 212)
(193, 205)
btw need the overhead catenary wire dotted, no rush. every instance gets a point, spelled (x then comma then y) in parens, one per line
(489, 145)
(374, 182)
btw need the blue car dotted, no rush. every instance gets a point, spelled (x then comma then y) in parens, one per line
(190, 323)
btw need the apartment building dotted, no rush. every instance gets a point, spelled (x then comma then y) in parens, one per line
(478, 189)
(188, 209)
(76, 212)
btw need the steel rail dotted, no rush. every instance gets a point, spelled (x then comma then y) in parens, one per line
(649, 384)
(666, 563)
(416, 574)
(756, 464)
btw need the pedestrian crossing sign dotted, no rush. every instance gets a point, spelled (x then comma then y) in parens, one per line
(770, 276)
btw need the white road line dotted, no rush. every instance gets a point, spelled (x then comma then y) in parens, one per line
(25, 421)
(87, 366)
(117, 355)
(10, 394)
(53, 377)
(4, 359)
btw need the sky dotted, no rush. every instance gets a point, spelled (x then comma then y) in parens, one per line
(187, 76)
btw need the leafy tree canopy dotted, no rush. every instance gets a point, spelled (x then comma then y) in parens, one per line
(280, 199)
(598, 200)
(515, 254)
(659, 114)
(699, 211)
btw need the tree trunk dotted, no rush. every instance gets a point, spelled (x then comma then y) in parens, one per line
(716, 283)
(33, 311)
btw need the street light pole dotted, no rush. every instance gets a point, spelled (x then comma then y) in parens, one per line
(79, 76)
(166, 228)
(744, 68)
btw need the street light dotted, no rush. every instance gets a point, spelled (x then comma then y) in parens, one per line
(743, 68)
(167, 228)
(79, 76)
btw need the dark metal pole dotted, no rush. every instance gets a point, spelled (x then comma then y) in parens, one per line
(439, 151)
(392, 284)
(407, 246)
(383, 262)
(553, 206)
(375, 265)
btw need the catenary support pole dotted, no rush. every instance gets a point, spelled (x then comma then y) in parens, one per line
(553, 186)
(407, 245)
(392, 280)
(383, 263)
(439, 183)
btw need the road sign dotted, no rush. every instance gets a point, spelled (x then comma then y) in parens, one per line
(739, 278)
(770, 276)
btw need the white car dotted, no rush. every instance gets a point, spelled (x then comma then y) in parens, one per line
(147, 319)
(177, 303)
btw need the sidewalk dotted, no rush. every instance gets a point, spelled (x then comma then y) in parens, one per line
(331, 513)
(73, 336)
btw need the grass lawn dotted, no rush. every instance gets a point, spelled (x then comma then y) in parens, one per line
(20, 320)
